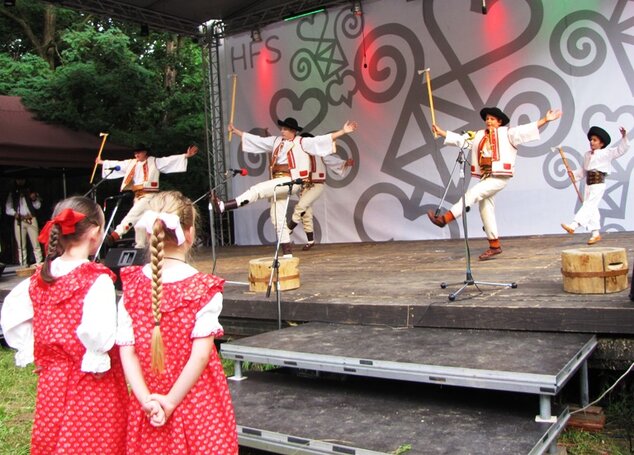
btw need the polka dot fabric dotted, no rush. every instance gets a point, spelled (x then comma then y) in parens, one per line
(75, 412)
(204, 422)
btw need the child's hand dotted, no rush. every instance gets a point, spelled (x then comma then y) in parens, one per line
(166, 404)
(623, 131)
(155, 413)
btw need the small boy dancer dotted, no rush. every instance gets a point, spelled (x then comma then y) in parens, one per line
(596, 165)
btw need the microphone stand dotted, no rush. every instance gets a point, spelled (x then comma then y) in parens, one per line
(109, 223)
(468, 281)
(212, 230)
(93, 189)
(275, 266)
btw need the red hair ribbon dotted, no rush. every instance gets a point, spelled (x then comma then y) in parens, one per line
(67, 219)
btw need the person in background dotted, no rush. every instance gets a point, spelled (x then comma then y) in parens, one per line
(493, 153)
(313, 189)
(141, 176)
(168, 320)
(597, 163)
(290, 156)
(64, 318)
(22, 204)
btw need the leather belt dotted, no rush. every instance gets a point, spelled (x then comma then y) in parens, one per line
(595, 177)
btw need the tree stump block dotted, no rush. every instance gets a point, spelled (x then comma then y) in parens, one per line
(260, 272)
(594, 270)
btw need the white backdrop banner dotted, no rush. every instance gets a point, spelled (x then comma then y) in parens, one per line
(524, 56)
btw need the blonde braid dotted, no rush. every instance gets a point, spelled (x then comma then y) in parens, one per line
(157, 241)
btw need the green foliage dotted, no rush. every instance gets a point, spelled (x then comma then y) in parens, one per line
(22, 75)
(404, 448)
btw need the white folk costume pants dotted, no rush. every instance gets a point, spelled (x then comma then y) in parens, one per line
(141, 204)
(484, 193)
(31, 230)
(304, 209)
(266, 190)
(588, 215)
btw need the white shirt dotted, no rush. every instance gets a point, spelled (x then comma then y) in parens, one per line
(601, 160)
(206, 318)
(96, 330)
(317, 146)
(23, 208)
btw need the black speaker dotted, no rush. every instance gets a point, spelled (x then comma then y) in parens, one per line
(123, 257)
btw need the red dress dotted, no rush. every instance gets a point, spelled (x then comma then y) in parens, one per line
(75, 412)
(204, 422)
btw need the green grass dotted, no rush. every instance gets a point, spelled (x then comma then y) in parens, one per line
(17, 402)
(578, 442)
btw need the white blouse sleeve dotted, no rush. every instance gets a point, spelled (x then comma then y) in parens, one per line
(207, 319)
(125, 332)
(172, 164)
(98, 325)
(16, 319)
(108, 171)
(318, 145)
(252, 143)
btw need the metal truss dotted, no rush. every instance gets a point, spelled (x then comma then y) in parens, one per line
(132, 13)
(255, 17)
(220, 225)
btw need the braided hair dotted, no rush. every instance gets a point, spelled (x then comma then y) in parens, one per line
(166, 202)
(58, 242)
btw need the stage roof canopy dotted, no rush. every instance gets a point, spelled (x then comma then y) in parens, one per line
(186, 16)
(27, 141)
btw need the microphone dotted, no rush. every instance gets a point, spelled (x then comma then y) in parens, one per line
(234, 172)
(291, 183)
(123, 195)
(484, 7)
(114, 168)
(470, 134)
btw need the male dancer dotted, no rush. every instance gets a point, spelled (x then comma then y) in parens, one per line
(493, 153)
(141, 176)
(23, 205)
(313, 190)
(597, 164)
(289, 161)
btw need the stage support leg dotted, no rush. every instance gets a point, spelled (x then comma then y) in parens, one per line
(544, 410)
(237, 371)
(585, 394)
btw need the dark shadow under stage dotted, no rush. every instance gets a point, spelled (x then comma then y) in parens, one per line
(398, 284)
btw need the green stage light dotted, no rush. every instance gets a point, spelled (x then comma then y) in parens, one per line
(304, 14)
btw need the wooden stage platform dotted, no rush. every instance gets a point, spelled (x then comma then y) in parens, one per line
(398, 284)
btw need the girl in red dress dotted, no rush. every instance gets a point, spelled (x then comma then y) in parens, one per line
(168, 319)
(64, 319)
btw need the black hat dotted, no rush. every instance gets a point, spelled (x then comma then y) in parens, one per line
(290, 122)
(601, 134)
(307, 134)
(495, 112)
(141, 147)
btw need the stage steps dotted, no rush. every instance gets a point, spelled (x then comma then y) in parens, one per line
(525, 362)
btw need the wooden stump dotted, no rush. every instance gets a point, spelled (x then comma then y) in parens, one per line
(260, 272)
(594, 270)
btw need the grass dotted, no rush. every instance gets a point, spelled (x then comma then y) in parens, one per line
(17, 403)
(578, 442)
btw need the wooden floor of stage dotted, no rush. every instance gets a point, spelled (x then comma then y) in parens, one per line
(398, 284)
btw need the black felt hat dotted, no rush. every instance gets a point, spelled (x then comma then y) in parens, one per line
(290, 122)
(141, 147)
(601, 134)
(495, 112)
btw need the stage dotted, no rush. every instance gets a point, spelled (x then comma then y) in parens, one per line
(398, 284)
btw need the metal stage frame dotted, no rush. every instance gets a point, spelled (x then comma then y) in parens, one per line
(460, 357)
(285, 413)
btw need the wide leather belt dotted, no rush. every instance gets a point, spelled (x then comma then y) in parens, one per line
(595, 177)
